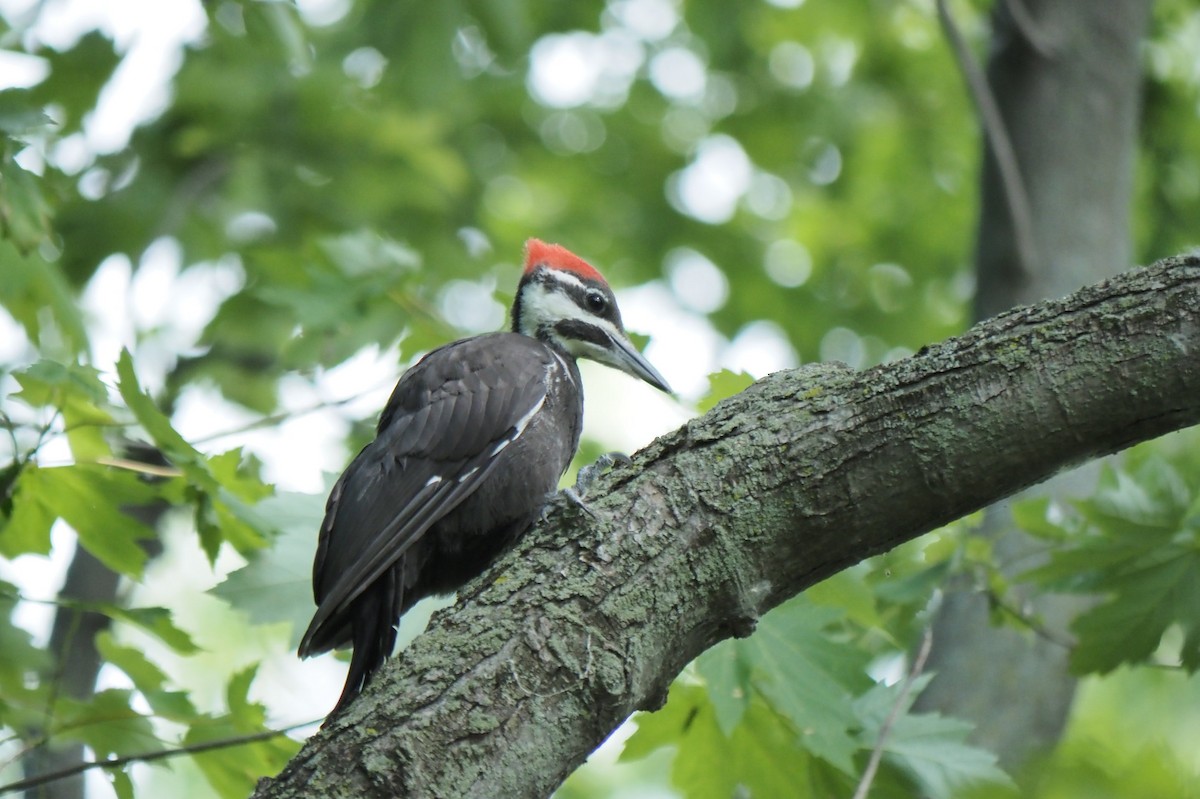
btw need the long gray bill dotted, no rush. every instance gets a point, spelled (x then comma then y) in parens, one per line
(630, 361)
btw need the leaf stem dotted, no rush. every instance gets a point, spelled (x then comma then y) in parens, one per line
(864, 784)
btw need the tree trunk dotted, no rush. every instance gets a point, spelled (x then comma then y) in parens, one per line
(799, 476)
(72, 644)
(1069, 96)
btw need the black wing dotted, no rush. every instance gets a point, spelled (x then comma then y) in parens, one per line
(447, 418)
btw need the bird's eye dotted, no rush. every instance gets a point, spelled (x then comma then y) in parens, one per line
(596, 302)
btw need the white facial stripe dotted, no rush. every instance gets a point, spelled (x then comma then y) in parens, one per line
(540, 305)
(566, 277)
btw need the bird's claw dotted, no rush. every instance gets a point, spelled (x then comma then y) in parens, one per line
(577, 499)
(583, 483)
(588, 474)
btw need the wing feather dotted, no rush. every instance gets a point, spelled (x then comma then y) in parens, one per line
(393, 542)
(436, 445)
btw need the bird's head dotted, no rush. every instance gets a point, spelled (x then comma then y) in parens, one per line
(562, 300)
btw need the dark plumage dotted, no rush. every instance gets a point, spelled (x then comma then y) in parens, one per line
(472, 440)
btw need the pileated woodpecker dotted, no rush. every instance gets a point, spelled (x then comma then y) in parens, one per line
(473, 440)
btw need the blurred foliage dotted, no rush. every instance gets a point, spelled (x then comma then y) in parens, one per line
(1136, 543)
(317, 186)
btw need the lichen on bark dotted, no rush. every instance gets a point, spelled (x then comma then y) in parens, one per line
(806, 472)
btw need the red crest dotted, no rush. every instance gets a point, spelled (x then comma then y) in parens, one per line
(555, 256)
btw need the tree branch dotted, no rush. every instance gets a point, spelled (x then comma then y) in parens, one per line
(799, 476)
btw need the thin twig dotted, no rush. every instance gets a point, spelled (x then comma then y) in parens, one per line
(1015, 195)
(152, 469)
(864, 784)
(1039, 629)
(148, 757)
(283, 416)
(10, 427)
(1029, 28)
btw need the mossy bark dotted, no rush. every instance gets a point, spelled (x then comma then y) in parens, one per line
(806, 472)
(1067, 83)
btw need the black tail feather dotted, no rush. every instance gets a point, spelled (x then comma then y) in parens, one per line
(375, 615)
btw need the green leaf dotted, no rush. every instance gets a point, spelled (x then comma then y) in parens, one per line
(760, 757)
(38, 295)
(235, 515)
(148, 678)
(1138, 549)
(771, 765)
(107, 723)
(721, 385)
(931, 749)
(701, 767)
(24, 212)
(88, 498)
(1127, 505)
(809, 678)
(20, 113)
(219, 486)
(238, 475)
(78, 393)
(157, 622)
(726, 675)
(235, 777)
(1033, 516)
(237, 698)
(240, 524)
(144, 674)
(50, 383)
(175, 705)
(121, 783)
(27, 528)
(77, 75)
(1148, 503)
(275, 585)
(848, 591)
(792, 667)
(21, 657)
(243, 342)
(158, 426)
(365, 252)
(208, 525)
(664, 726)
(1150, 595)
(914, 588)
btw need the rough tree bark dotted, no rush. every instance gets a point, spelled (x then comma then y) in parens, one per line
(1067, 82)
(803, 474)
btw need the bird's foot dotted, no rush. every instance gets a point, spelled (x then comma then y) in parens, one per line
(576, 499)
(583, 482)
(589, 474)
